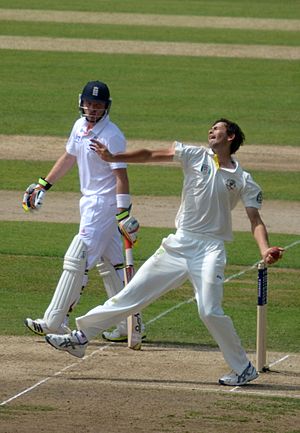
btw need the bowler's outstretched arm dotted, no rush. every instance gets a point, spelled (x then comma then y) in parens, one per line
(141, 155)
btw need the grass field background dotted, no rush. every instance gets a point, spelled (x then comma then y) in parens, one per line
(153, 33)
(161, 98)
(154, 97)
(39, 263)
(227, 8)
(146, 180)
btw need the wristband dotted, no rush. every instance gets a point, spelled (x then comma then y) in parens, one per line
(123, 201)
(46, 185)
(120, 216)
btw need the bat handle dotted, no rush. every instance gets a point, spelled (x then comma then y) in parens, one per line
(128, 245)
(128, 252)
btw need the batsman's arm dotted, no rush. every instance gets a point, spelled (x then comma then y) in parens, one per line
(136, 156)
(122, 187)
(128, 225)
(61, 167)
(34, 195)
(269, 254)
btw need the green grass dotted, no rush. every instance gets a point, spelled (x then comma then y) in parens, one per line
(144, 179)
(151, 33)
(32, 256)
(267, 407)
(9, 412)
(155, 97)
(278, 185)
(243, 8)
(51, 239)
(152, 97)
(238, 412)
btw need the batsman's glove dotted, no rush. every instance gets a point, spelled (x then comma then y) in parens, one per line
(34, 195)
(128, 225)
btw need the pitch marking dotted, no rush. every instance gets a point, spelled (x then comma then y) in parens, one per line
(279, 360)
(58, 373)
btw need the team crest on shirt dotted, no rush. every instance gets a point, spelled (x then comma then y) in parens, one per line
(205, 169)
(230, 184)
(78, 138)
(259, 198)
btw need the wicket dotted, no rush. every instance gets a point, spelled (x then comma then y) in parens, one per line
(261, 330)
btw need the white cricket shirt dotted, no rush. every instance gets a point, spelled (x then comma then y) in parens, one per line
(210, 193)
(96, 176)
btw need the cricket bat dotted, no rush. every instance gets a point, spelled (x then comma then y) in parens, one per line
(134, 322)
(261, 326)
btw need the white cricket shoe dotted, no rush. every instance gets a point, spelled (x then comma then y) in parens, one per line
(234, 379)
(117, 336)
(39, 327)
(74, 343)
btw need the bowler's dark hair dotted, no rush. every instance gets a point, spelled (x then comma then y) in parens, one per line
(233, 128)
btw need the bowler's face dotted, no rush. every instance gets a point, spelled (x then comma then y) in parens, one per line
(217, 135)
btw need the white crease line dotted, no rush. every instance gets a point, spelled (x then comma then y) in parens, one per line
(150, 321)
(243, 391)
(38, 384)
(26, 390)
(278, 361)
(54, 375)
(164, 313)
(234, 389)
(238, 388)
(292, 244)
(200, 388)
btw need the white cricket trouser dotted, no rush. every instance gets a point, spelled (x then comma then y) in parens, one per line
(182, 256)
(99, 230)
(98, 237)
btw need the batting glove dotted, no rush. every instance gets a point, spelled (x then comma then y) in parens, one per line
(128, 226)
(34, 195)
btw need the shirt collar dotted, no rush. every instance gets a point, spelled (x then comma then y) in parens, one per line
(215, 158)
(100, 124)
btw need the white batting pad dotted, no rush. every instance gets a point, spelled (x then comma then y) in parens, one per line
(111, 279)
(67, 292)
(113, 285)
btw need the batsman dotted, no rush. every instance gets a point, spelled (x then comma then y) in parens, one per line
(104, 212)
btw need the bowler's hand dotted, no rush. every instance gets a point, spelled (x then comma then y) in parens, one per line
(272, 255)
(101, 150)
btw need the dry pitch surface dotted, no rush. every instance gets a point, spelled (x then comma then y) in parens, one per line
(159, 389)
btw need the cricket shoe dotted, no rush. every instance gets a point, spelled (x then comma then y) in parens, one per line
(74, 343)
(234, 379)
(39, 327)
(117, 337)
